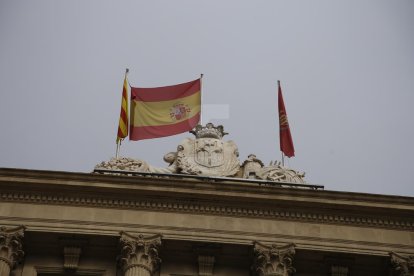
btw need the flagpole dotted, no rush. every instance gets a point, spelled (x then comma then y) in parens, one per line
(201, 92)
(283, 157)
(118, 141)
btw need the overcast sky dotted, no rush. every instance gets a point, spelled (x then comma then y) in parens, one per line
(346, 68)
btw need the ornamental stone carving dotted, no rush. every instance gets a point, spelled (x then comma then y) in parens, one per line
(402, 265)
(10, 248)
(124, 164)
(273, 260)
(251, 166)
(278, 173)
(139, 254)
(207, 155)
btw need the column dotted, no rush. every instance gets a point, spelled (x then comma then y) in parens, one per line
(139, 254)
(273, 260)
(10, 248)
(402, 265)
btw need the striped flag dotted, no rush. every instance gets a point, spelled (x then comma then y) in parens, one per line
(123, 117)
(164, 111)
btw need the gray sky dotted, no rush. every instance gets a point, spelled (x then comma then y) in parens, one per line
(346, 69)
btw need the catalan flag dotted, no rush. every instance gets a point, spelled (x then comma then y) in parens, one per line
(123, 117)
(286, 142)
(164, 111)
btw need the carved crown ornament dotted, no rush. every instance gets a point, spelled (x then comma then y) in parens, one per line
(11, 251)
(208, 155)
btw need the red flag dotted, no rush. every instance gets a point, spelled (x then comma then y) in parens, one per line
(286, 142)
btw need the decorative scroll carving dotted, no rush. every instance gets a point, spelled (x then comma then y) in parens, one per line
(10, 248)
(402, 265)
(273, 260)
(205, 265)
(124, 164)
(71, 257)
(139, 254)
(276, 172)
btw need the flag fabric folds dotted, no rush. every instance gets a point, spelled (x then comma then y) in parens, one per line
(123, 117)
(164, 111)
(286, 142)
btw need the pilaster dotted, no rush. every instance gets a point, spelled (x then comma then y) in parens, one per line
(273, 260)
(10, 248)
(139, 254)
(402, 265)
(205, 265)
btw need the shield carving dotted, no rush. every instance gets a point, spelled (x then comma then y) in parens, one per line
(209, 152)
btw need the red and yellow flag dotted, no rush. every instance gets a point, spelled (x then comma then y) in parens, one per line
(286, 142)
(164, 111)
(123, 117)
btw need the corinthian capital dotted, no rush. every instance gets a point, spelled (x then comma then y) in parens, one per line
(139, 251)
(11, 245)
(403, 265)
(273, 260)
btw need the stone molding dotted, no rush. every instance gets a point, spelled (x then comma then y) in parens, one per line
(139, 251)
(11, 251)
(273, 260)
(402, 265)
(212, 208)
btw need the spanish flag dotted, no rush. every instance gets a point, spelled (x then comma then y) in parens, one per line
(123, 117)
(164, 111)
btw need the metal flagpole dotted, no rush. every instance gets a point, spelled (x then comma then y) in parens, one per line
(283, 159)
(201, 92)
(117, 148)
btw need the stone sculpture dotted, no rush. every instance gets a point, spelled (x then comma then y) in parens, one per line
(208, 155)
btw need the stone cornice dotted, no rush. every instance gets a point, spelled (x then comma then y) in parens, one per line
(201, 197)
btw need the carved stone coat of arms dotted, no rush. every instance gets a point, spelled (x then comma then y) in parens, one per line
(208, 154)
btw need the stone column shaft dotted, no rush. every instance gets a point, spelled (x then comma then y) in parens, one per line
(4, 268)
(137, 271)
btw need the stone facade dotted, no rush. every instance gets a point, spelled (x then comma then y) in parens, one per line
(61, 223)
